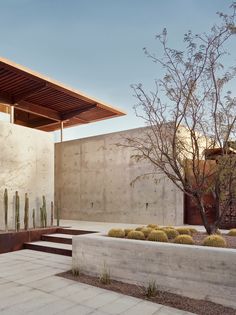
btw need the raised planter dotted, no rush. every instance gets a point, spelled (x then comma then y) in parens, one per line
(195, 271)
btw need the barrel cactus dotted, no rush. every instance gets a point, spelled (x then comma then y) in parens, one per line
(183, 230)
(214, 241)
(158, 236)
(184, 239)
(171, 233)
(146, 231)
(127, 231)
(116, 233)
(136, 235)
(139, 228)
(232, 232)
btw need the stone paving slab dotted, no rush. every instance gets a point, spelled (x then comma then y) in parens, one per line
(29, 285)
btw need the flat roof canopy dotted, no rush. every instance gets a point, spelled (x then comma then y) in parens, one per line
(42, 103)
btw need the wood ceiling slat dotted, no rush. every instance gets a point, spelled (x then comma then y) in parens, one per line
(17, 84)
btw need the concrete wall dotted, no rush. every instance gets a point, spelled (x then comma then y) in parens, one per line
(93, 183)
(195, 271)
(26, 165)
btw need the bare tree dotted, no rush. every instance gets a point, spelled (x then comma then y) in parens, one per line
(189, 112)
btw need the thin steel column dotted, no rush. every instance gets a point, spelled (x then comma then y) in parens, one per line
(12, 114)
(62, 125)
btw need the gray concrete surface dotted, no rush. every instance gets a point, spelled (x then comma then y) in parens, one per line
(26, 165)
(195, 271)
(28, 285)
(93, 183)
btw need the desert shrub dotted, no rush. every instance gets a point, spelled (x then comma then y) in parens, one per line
(158, 236)
(171, 233)
(183, 230)
(139, 228)
(146, 231)
(127, 231)
(137, 235)
(232, 232)
(116, 233)
(214, 241)
(152, 226)
(184, 239)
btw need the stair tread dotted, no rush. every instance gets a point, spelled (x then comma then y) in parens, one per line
(51, 244)
(59, 235)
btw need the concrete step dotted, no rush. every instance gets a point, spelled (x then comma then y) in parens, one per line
(73, 231)
(50, 247)
(57, 238)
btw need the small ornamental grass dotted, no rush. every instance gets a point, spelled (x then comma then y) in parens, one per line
(116, 233)
(146, 231)
(158, 236)
(151, 290)
(232, 232)
(136, 235)
(214, 241)
(184, 239)
(183, 230)
(171, 233)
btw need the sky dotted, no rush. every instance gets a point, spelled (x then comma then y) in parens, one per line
(96, 46)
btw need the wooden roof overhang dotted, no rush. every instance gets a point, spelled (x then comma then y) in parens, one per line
(42, 103)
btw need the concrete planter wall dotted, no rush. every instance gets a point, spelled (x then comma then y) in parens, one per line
(194, 271)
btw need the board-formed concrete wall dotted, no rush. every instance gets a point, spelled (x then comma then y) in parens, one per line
(27, 166)
(195, 271)
(93, 183)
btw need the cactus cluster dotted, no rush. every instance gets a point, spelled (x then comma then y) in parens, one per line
(43, 212)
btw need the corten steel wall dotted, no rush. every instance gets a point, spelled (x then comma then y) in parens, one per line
(93, 183)
(26, 165)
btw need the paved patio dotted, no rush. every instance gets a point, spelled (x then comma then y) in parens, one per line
(28, 285)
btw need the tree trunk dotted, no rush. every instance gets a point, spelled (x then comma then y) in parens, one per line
(210, 228)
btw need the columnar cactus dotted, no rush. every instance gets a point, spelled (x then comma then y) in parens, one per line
(17, 210)
(26, 216)
(33, 217)
(58, 216)
(43, 213)
(52, 210)
(6, 208)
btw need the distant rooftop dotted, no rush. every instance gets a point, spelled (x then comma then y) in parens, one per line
(36, 101)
